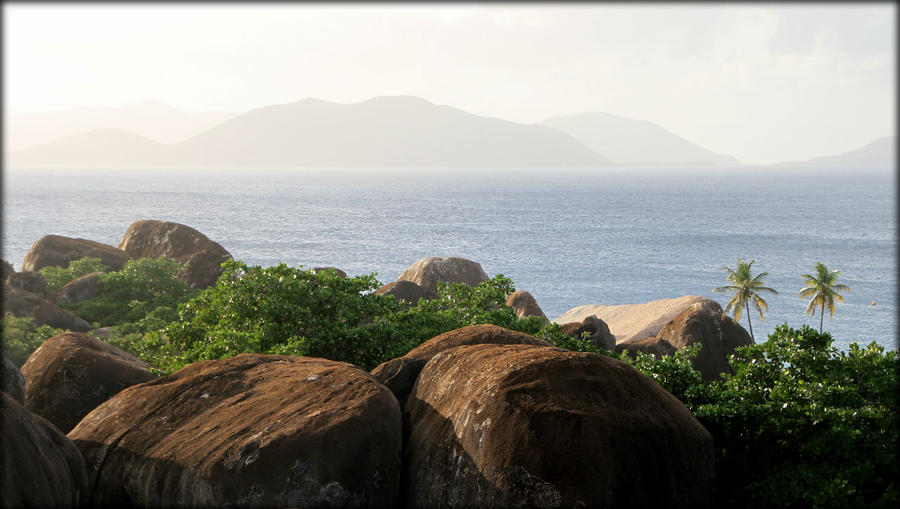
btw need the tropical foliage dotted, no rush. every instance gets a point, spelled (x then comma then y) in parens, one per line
(822, 291)
(57, 277)
(746, 288)
(21, 336)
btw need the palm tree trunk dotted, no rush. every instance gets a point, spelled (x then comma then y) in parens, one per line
(822, 317)
(750, 324)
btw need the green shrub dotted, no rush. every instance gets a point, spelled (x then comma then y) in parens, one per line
(21, 337)
(141, 288)
(57, 277)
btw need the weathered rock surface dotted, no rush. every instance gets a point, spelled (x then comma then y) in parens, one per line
(72, 373)
(30, 282)
(399, 375)
(252, 430)
(39, 466)
(406, 291)
(77, 290)
(633, 322)
(56, 250)
(339, 272)
(528, 426)
(596, 328)
(23, 303)
(525, 304)
(11, 380)
(655, 346)
(6, 269)
(719, 335)
(202, 257)
(427, 272)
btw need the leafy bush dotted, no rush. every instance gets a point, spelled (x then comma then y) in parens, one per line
(141, 288)
(21, 337)
(57, 277)
(798, 423)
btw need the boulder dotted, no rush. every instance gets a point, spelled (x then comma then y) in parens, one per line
(718, 334)
(339, 272)
(29, 281)
(6, 269)
(530, 426)
(525, 304)
(406, 291)
(72, 373)
(11, 380)
(162, 239)
(56, 250)
(399, 375)
(633, 322)
(252, 430)
(596, 328)
(39, 466)
(427, 272)
(77, 290)
(24, 303)
(654, 346)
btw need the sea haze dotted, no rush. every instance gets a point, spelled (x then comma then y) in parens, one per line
(568, 236)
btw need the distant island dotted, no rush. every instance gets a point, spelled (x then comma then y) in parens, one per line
(387, 131)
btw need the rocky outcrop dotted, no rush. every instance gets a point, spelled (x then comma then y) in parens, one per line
(406, 291)
(529, 426)
(525, 304)
(339, 272)
(6, 269)
(652, 346)
(39, 466)
(251, 430)
(427, 272)
(719, 335)
(11, 380)
(72, 373)
(23, 303)
(30, 282)
(399, 375)
(155, 239)
(77, 290)
(633, 322)
(597, 331)
(56, 250)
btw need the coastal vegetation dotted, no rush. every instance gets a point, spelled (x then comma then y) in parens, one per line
(795, 423)
(823, 291)
(746, 288)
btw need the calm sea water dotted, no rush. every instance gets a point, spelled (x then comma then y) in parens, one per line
(570, 237)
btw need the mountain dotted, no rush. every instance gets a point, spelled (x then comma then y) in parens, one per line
(99, 147)
(150, 119)
(881, 152)
(625, 140)
(391, 131)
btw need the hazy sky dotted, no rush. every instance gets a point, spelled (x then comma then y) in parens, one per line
(764, 83)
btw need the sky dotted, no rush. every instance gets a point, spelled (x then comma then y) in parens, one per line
(761, 82)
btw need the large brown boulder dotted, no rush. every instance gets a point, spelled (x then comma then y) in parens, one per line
(11, 380)
(6, 269)
(406, 291)
(72, 373)
(30, 282)
(79, 289)
(337, 271)
(39, 466)
(717, 334)
(427, 272)
(525, 304)
(528, 426)
(399, 375)
(658, 347)
(155, 239)
(251, 430)
(56, 250)
(24, 303)
(597, 330)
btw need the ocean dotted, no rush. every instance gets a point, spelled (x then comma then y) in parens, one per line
(568, 236)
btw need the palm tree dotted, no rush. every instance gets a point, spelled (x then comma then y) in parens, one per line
(746, 288)
(823, 290)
